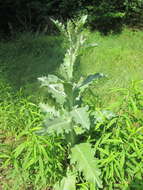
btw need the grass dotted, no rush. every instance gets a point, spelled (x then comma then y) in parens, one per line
(25, 158)
(119, 56)
(28, 57)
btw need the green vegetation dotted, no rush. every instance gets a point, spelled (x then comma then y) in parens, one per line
(28, 57)
(36, 155)
(120, 56)
(25, 158)
(34, 15)
(68, 117)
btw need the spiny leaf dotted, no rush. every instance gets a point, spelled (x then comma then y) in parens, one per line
(51, 79)
(72, 31)
(83, 156)
(90, 45)
(57, 91)
(49, 109)
(81, 116)
(100, 116)
(60, 26)
(57, 125)
(84, 84)
(55, 87)
(67, 183)
(66, 69)
(80, 23)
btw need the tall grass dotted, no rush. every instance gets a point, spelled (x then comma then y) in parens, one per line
(26, 160)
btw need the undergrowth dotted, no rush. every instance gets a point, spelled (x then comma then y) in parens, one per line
(118, 141)
(26, 160)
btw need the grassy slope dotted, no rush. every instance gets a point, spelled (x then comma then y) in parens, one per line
(118, 56)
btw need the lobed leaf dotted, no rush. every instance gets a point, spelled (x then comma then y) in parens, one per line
(67, 183)
(51, 79)
(49, 109)
(84, 84)
(81, 116)
(60, 26)
(57, 125)
(83, 156)
(55, 87)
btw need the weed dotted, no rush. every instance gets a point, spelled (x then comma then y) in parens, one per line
(26, 160)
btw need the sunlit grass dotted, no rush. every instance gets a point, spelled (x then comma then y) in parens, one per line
(119, 56)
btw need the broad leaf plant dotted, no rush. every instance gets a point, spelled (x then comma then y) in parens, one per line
(69, 117)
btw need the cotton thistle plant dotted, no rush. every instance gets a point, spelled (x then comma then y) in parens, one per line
(68, 117)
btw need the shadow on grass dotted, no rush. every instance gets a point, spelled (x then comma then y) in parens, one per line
(26, 58)
(136, 184)
(107, 25)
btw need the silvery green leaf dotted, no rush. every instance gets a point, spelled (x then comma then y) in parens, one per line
(55, 87)
(83, 156)
(108, 114)
(100, 116)
(57, 125)
(50, 79)
(54, 79)
(66, 69)
(57, 92)
(78, 130)
(67, 183)
(90, 45)
(83, 19)
(84, 84)
(80, 23)
(49, 109)
(60, 26)
(81, 116)
(43, 79)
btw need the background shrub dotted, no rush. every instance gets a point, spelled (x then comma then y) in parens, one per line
(105, 15)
